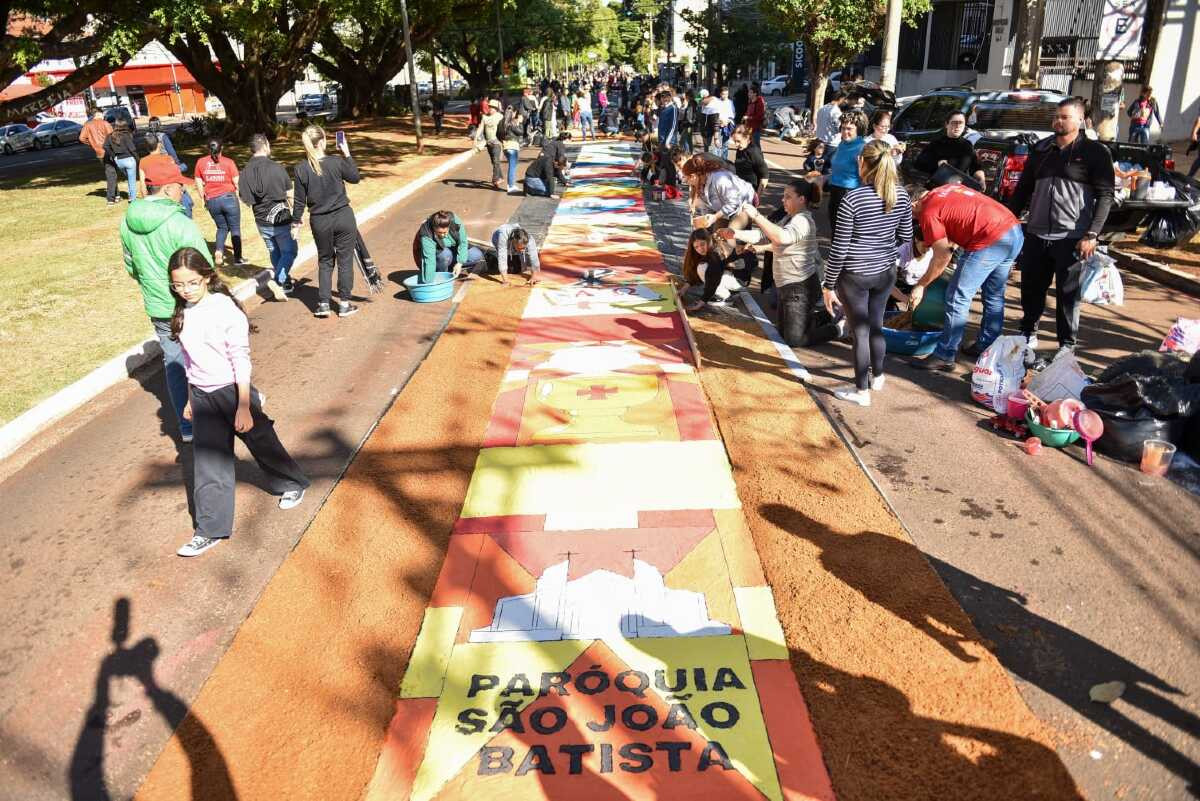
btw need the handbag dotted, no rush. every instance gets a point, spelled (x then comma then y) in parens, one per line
(279, 214)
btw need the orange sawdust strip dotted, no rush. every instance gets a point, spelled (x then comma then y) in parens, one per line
(299, 705)
(906, 700)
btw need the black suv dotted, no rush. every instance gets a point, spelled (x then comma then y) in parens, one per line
(1019, 111)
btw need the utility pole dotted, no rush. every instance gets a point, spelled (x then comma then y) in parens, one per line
(500, 42)
(891, 45)
(653, 71)
(412, 77)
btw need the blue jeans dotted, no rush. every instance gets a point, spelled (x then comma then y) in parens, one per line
(1139, 134)
(177, 384)
(129, 165)
(227, 215)
(445, 260)
(282, 248)
(186, 202)
(512, 166)
(987, 268)
(585, 123)
(536, 186)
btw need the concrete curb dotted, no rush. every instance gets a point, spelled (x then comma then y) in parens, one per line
(1156, 272)
(26, 426)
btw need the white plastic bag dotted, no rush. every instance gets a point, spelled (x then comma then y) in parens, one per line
(998, 372)
(1183, 336)
(1101, 281)
(1062, 378)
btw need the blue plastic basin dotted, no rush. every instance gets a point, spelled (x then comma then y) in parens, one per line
(909, 343)
(441, 288)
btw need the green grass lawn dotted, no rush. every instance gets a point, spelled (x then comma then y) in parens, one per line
(66, 302)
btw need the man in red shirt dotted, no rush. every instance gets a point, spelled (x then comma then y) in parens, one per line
(756, 114)
(991, 238)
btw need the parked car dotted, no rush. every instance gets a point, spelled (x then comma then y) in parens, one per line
(114, 113)
(1003, 126)
(776, 86)
(16, 137)
(56, 134)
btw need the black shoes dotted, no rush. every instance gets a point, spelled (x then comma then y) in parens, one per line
(346, 308)
(973, 350)
(322, 310)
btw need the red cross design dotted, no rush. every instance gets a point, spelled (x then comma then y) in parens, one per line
(597, 392)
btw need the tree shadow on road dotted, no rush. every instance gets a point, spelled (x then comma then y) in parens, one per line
(210, 779)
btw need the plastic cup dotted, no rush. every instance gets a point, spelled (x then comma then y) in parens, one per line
(1018, 404)
(1156, 457)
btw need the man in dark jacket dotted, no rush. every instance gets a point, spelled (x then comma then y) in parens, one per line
(264, 188)
(540, 177)
(1067, 184)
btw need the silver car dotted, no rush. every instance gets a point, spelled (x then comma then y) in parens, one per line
(14, 138)
(56, 133)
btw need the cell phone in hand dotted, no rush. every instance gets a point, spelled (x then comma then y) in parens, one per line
(340, 136)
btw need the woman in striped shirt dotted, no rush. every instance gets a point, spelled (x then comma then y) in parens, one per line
(871, 221)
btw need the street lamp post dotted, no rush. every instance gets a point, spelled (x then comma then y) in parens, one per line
(412, 77)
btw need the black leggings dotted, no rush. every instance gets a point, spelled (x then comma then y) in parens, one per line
(715, 269)
(836, 193)
(335, 234)
(865, 298)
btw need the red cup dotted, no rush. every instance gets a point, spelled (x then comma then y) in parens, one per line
(1018, 404)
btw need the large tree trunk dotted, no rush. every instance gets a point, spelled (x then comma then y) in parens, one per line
(22, 108)
(249, 87)
(818, 78)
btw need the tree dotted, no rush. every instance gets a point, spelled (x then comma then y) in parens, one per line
(261, 48)
(98, 35)
(833, 31)
(470, 46)
(733, 37)
(364, 48)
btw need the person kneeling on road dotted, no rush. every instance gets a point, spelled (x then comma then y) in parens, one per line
(516, 252)
(796, 266)
(441, 246)
(991, 239)
(540, 177)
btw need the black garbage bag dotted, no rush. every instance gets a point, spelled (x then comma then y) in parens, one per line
(1168, 228)
(1140, 397)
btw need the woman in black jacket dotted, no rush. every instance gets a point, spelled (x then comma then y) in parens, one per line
(320, 186)
(952, 148)
(119, 147)
(749, 164)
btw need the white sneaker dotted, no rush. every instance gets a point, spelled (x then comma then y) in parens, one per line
(512, 190)
(196, 546)
(291, 499)
(877, 383)
(860, 396)
(276, 290)
(187, 438)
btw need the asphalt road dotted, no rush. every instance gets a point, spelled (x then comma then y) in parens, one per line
(30, 162)
(1077, 575)
(93, 519)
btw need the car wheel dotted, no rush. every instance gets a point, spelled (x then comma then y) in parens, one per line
(8, 151)
(37, 144)
(54, 142)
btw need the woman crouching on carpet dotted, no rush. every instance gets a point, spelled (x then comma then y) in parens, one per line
(707, 257)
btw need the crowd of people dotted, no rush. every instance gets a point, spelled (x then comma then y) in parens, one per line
(888, 242)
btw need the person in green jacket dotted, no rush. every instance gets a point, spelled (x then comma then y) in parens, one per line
(154, 228)
(441, 245)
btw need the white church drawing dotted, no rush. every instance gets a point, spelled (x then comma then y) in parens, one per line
(600, 605)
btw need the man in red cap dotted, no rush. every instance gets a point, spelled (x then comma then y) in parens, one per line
(153, 229)
(156, 168)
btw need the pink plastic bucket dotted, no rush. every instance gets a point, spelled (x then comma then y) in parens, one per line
(1018, 404)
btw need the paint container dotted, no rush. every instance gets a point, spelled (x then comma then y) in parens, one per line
(1156, 457)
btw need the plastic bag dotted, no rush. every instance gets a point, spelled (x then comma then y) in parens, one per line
(1168, 228)
(998, 372)
(1063, 378)
(1101, 281)
(1184, 337)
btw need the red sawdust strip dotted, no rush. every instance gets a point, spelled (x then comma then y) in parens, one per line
(299, 706)
(906, 700)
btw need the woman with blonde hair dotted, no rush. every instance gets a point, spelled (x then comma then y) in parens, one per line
(871, 221)
(719, 193)
(320, 185)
